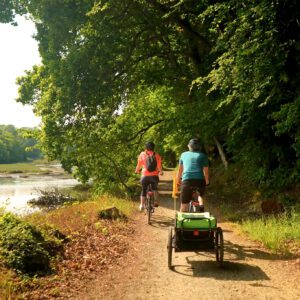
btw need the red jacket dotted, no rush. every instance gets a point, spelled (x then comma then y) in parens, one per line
(142, 163)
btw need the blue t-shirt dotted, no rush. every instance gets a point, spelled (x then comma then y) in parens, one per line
(193, 163)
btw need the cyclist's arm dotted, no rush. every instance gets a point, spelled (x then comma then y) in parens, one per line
(139, 165)
(206, 175)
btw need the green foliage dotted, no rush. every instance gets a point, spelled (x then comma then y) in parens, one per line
(8, 10)
(17, 145)
(116, 73)
(253, 85)
(22, 247)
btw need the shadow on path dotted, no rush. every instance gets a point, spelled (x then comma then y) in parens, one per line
(229, 271)
(232, 268)
(238, 252)
(159, 221)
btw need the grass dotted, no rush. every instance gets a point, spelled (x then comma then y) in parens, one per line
(237, 199)
(279, 234)
(23, 167)
(6, 284)
(26, 167)
(75, 217)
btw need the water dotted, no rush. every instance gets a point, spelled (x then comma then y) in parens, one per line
(16, 191)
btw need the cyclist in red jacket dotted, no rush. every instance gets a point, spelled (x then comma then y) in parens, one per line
(151, 165)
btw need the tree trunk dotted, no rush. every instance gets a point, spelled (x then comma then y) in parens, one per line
(222, 153)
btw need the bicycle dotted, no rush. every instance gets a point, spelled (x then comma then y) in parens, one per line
(196, 203)
(149, 205)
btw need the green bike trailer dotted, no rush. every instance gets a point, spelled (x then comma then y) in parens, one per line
(194, 231)
(203, 221)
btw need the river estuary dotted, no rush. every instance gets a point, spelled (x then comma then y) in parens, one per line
(16, 189)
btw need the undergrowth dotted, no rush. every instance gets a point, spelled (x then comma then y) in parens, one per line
(239, 201)
(7, 287)
(279, 234)
(52, 229)
(23, 247)
(76, 216)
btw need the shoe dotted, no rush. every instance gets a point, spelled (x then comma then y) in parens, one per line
(141, 207)
(156, 204)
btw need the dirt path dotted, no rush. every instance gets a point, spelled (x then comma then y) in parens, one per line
(249, 272)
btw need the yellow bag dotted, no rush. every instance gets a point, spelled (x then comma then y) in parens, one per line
(175, 192)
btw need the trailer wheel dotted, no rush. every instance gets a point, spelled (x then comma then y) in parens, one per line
(169, 247)
(219, 246)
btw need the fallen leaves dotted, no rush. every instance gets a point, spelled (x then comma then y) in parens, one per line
(88, 253)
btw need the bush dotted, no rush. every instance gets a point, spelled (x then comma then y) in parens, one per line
(51, 198)
(22, 246)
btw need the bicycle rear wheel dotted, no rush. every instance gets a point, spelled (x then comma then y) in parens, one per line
(149, 209)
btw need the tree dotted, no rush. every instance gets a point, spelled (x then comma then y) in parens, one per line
(116, 73)
(14, 146)
(255, 78)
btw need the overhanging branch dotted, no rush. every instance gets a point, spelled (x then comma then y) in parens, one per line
(143, 130)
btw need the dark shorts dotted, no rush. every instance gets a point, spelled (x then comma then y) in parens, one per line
(146, 180)
(189, 186)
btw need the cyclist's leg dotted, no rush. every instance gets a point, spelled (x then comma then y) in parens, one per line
(185, 196)
(144, 183)
(201, 190)
(156, 198)
(154, 185)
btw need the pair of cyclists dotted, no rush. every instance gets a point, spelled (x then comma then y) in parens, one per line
(192, 172)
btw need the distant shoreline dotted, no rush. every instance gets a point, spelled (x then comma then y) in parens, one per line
(33, 168)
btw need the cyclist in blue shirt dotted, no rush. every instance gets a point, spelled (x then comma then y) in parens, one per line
(192, 172)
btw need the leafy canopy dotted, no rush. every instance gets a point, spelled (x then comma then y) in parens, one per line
(116, 73)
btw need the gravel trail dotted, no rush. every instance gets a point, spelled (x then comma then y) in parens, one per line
(249, 271)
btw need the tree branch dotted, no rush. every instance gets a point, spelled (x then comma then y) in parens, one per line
(143, 130)
(183, 23)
